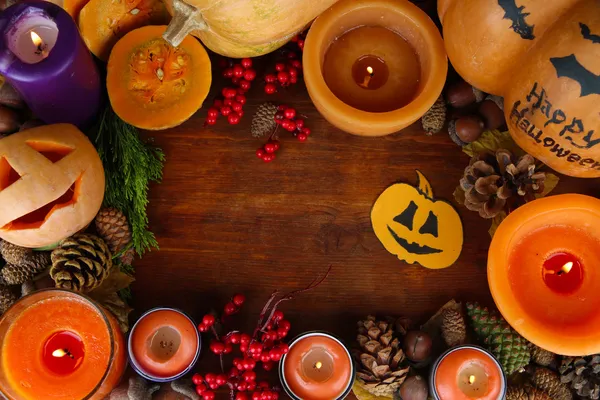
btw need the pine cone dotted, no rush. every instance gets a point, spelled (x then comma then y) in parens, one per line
(80, 263)
(12, 253)
(505, 343)
(30, 266)
(7, 298)
(526, 393)
(263, 121)
(583, 374)
(433, 121)
(542, 357)
(382, 362)
(454, 328)
(549, 382)
(113, 228)
(493, 182)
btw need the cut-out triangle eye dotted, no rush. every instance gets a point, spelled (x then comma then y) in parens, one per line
(8, 175)
(51, 150)
(407, 216)
(430, 226)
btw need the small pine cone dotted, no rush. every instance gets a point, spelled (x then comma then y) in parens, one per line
(542, 357)
(263, 121)
(12, 253)
(433, 121)
(80, 263)
(22, 263)
(549, 381)
(16, 274)
(113, 228)
(7, 298)
(454, 327)
(526, 393)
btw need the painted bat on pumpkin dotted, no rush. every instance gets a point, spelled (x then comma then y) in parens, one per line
(570, 67)
(515, 14)
(587, 33)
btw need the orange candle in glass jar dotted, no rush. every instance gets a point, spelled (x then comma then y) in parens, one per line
(60, 345)
(317, 367)
(373, 67)
(543, 273)
(164, 344)
(466, 373)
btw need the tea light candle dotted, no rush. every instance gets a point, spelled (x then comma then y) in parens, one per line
(467, 372)
(373, 68)
(44, 58)
(543, 273)
(164, 345)
(58, 344)
(317, 367)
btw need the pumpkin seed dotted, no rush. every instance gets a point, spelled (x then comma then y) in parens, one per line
(160, 74)
(135, 11)
(180, 60)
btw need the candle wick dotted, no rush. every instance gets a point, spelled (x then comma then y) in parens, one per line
(61, 353)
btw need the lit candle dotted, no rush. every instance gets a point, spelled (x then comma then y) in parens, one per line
(164, 344)
(543, 273)
(60, 345)
(317, 367)
(467, 372)
(44, 58)
(373, 68)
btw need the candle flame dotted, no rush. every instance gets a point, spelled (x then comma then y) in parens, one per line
(472, 379)
(567, 267)
(58, 352)
(370, 70)
(318, 365)
(36, 39)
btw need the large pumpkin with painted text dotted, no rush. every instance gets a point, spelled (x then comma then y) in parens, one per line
(241, 28)
(543, 57)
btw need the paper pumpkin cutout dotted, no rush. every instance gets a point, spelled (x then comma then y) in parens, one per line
(416, 227)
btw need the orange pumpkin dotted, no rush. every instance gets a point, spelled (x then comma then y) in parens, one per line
(73, 7)
(51, 184)
(543, 57)
(241, 28)
(103, 22)
(153, 85)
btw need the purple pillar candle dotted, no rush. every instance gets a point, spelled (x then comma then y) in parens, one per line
(44, 58)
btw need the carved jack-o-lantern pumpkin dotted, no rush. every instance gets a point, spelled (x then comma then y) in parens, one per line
(416, 227)
(544, 58)
(51, 184)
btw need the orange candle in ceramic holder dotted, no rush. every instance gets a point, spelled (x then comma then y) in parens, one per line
(164, 345)
(317, 367)
(58, 344)
(373, 67)
(543, 272)
(466, 373)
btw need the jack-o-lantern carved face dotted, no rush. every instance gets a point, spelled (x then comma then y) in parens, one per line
(413, 225)
(51, 184)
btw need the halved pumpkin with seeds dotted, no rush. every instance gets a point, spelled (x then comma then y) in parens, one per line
(153, 85)
(103, 22)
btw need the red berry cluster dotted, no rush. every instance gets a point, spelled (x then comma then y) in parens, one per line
(267, 152)
(286, 73)
(267, 349)
(231, 105)
(299, 40)
(287, 118)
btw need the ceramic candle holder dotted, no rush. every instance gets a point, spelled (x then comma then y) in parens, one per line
(543, 273)
(318, 366)
(163, 345)
(399, 17)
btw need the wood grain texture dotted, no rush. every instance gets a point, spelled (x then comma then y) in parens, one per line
(226, 222)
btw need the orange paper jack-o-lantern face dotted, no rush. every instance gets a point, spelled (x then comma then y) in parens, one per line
(51, 184)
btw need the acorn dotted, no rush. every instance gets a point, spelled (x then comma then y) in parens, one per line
(9, 120)
(467, 129)
(492, 112)
(10, 97)
(414, 388)
(417, 346)
(462, 94)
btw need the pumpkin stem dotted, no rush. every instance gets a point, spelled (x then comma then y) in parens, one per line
(424, 186)
(186, 19)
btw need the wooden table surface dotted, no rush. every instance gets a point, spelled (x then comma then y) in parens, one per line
(226, 222)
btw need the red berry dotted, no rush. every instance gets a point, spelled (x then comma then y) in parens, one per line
(227, 102)
(240, 98)
(234, 371)
(245, 85)
(283, 77)
(237, 362)
(197, 379)
(256, 396)
(202, 327)
(285, 324)
(242, 386)
(251, 386)
(295, 38)
(281, 333)
(210, 377)
(245, 338)
(228, 73)
(296, 64)
(234, 338)
(260, 152)
(256, 348)
(217, 347)
(293, 80)
(299, 123)
(211, 121)
(249, 376)
(293, 72)
(263, 385)
(218, 103)
(301, 44)
(291, 126)
(275, 354)
(268, 366)
(208, 319)
(291, 55)
(237, 107)
(213, 386)
(278, 315)
(230, 308)
(282, 107)
(264, 357)
(201, 388)
(269, 148)
(228, 348)
(249, 364)
(270, 78)
(290, 113)
(302, 137)
(276, 144)
(234, 119)
(266, 158)
(270, 88)
(212, 113)
(221, 380)
(225, 110)
(250, 75)
(228, 93)
(244, 346)
(279, 67)
(246, 62)
(241, 396)
(239, 299)
(306, 131)
(284, 348)
(241, 113)
(238, 71)
(208, 395)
